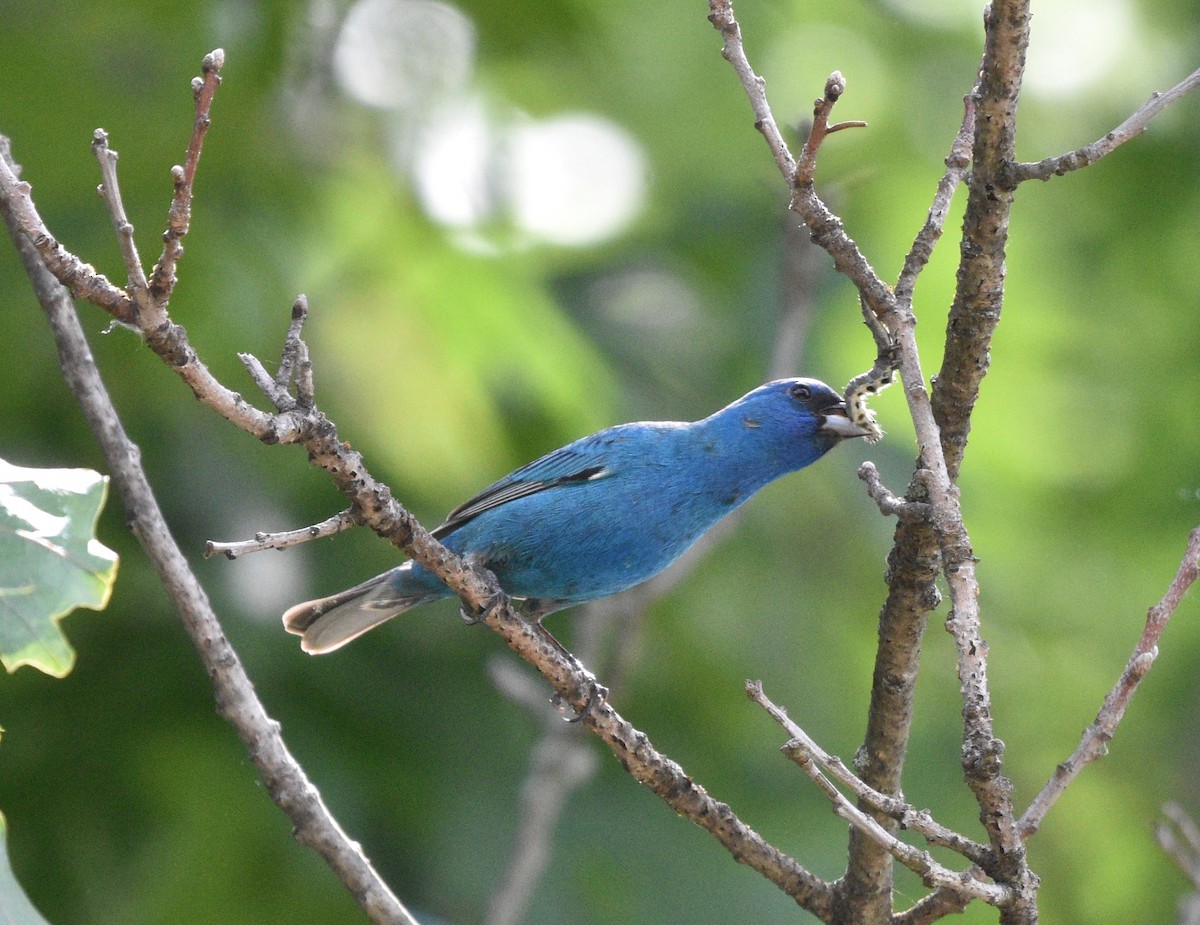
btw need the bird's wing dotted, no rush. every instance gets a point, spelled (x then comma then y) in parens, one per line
(579, 462)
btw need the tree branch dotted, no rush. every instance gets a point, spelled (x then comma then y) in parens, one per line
(887, 502)
(1178, 835)
(169, 341)
(958, 164)
(937, 905)
(912, 567)
(1096, 737)
(979, 295)
(1089, 154)
(343, 520)
(721, 16)
(179, 216)
(826, 229)
(803, 749)
(110, 191)
(806, 167)
(235, 697)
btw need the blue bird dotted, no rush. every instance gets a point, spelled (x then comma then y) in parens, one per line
(603, 513)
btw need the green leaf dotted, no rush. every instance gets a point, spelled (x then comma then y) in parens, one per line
(50, 561)
(15, 907)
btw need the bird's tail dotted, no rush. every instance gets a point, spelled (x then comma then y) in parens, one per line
(329, 623)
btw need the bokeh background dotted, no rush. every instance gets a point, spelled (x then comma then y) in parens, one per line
(517, 223)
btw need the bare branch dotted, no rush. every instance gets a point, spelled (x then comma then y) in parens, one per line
(806, 167)
(912, 593)
(81, 279)
(920, 821)
(958, 163)
(937, 905)
(179, 217)
(110, 190)
(979, 294)
(721, 16)
(1096, 737)
(343, 520)
(294, 367)
(294, 364)
(1179, 836)
(812, 758)
(888, 503)
(1089, 154)
(278, 394)
(168, 340)
(235, 697)
(826, 229)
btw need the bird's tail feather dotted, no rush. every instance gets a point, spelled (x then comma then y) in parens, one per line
(329, 623)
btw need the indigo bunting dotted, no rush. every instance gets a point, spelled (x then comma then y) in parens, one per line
(603, 513)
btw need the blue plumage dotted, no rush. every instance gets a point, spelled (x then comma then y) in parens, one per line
(606, 512)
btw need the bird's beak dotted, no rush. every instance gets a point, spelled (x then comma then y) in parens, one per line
(835, 421)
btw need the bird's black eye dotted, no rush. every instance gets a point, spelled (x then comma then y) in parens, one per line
(801, 392)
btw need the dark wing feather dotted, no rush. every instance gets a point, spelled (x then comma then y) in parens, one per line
(570, 465)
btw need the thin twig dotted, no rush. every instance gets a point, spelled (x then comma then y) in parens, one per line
(294, 363)
(937, 905)
(917, 820)
(1179, 836)
(179, 216)
(1096, 737)
(721, 16)
(958, 163)
(888, 503)
(1090, 153)
(806, 167)
(110, 190)
(825, 228)
(912, 567)
(343, 520)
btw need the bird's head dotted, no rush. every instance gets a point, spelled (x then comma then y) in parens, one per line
(808, 403)
(793, 422)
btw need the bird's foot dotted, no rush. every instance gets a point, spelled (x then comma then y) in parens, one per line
(472, 615)
(597, 695)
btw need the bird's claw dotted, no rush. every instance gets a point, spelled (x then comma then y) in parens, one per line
(472, 615)
(597, 695)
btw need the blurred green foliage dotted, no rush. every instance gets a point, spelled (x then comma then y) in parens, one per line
(130, 801)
